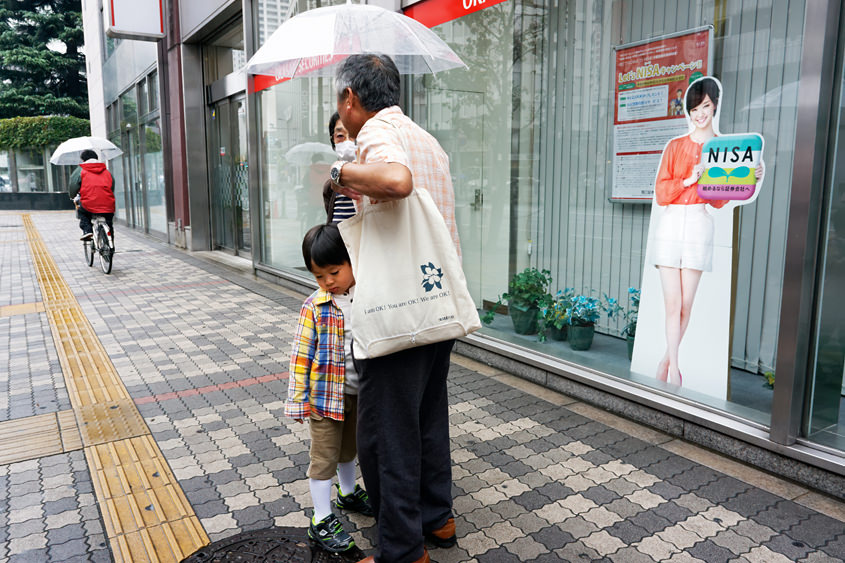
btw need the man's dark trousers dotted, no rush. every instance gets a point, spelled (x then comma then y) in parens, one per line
(403, 446)
(85, 219)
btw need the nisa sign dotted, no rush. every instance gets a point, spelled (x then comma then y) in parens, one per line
(730, 164)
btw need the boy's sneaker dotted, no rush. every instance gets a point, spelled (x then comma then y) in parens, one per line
(330, 535)
(358, 501)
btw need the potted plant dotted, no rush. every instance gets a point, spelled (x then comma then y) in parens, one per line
(584, 314)
(631, 314)
(556, 315)
(527, 296)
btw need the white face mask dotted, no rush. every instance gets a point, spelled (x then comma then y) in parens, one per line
(346, 150)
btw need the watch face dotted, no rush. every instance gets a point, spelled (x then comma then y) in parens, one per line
(335, 173)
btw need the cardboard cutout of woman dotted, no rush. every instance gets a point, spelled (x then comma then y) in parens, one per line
(689, 226)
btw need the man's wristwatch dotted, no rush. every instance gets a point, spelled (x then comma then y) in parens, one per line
(335, 172)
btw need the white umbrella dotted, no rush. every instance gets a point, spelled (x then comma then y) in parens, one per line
(303, 154)
(316, 41)
(71, 150)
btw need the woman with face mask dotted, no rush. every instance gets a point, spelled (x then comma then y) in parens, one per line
(339, 207)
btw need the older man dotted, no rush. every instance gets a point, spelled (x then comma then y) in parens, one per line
(403, 424)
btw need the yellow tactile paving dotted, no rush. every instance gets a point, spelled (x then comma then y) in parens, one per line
(160, 543)
(21, 309)
(147, 516)
(38, 436)
(110, 421)
(69, 431)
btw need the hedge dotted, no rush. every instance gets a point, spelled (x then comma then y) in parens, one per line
(34, 132)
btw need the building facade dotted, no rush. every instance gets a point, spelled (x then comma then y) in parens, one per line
(532, 131)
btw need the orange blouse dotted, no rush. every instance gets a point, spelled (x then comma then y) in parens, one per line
(676, 165)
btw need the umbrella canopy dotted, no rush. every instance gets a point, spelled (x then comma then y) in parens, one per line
(71, 150)
(316, 41)
(304, 154)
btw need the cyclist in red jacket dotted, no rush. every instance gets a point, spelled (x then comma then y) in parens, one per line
(95, 187)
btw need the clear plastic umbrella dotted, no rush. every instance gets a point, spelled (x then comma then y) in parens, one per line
(316, 41)
(70, 152)
(307, 153)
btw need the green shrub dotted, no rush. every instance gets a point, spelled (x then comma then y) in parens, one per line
(35, 132)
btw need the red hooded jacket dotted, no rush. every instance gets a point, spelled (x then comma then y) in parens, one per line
(97, 191)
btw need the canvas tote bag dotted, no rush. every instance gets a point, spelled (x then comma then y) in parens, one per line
(410, 289)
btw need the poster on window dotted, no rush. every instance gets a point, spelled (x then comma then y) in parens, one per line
(684, 323)
(649, 81)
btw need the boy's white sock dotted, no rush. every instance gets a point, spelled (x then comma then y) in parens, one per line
(321, 496)
(346, 477)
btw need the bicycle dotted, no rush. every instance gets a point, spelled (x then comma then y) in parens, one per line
(101, 244)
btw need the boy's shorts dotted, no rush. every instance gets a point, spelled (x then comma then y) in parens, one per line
(333, 441)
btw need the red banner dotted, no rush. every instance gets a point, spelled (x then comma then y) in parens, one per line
(651, 78)
(435, 12)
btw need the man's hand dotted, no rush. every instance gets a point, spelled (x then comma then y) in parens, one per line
(300, 420)
(348, 192)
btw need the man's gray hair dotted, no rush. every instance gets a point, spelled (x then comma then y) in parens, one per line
(373, 77)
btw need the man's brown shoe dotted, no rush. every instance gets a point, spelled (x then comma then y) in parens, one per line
(443, 536)
(424, 559)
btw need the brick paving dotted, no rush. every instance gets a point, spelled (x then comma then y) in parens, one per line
(203, 352)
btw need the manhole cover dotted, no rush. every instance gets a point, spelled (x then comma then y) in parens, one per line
(272, 545)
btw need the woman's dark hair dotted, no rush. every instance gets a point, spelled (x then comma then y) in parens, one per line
(324, 246)
(88, 154)
(699, 89)
(332, 122)
(374, 78)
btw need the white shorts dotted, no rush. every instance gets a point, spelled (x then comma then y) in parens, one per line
(684, 238)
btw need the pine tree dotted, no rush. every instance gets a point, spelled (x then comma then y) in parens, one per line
(36, 78)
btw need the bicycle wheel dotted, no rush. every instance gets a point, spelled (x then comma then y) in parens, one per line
(88, 245)
(105, 250)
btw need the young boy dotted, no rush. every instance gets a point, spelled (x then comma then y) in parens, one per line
(324, 386)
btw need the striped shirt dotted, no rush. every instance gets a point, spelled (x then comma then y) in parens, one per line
(317, 363)
(391, 136)
(344, 208)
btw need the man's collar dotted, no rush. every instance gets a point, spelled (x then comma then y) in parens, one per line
(392, 110)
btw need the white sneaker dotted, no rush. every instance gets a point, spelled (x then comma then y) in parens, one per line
(87, 236)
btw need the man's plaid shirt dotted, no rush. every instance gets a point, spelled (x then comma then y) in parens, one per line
(317, 365)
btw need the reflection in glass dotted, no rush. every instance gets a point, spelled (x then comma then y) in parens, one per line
(30, 167)
(154, 176)
(293, 113)
(116, 169)
(529, 131)
(825, 417)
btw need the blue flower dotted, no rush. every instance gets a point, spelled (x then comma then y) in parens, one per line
(431, 276)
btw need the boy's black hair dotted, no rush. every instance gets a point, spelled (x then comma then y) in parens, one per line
(699, 89)
(324, 246)
(332, 122)
(88, 154)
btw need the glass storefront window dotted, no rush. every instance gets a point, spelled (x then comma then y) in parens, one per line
(152, 81)
(529, 128)
(825, 413)
(154, 176)
(116, 169)
(296, 156)
(30, 166)
(529, 132)
(5, 177)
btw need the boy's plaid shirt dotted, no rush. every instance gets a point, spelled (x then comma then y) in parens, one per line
(317, 364)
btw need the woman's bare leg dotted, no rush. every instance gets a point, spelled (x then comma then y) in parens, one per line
(689, 287)
(670, 280)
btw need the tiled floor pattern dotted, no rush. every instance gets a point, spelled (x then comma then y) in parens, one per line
(534, 480)
(146, 514)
